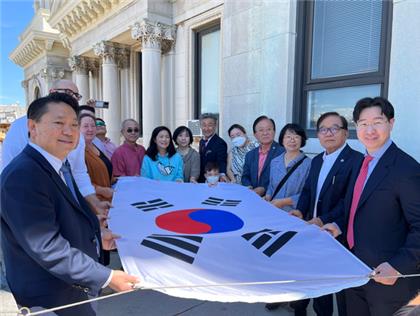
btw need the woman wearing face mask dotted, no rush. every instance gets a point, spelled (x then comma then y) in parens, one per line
(162, 162)
(183, 138)
(241, 144)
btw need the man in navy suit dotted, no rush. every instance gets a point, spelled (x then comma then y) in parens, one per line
(256, 172)
(51, 239)
(212, 147)
(322, 197)
(382, 214)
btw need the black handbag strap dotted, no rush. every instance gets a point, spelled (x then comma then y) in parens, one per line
(288, 174)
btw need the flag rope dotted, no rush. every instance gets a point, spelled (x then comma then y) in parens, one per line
(136, 287)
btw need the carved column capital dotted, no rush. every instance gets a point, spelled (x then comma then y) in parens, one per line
(107, 50)
(154, 35)
(52, 73)
(78, 64)
(124, 57)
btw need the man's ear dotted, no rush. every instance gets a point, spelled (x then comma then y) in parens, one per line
(31, 128)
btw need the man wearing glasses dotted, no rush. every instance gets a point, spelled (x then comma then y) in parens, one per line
(17, 138)
(381, 222)
(128, 158)
(321, 199)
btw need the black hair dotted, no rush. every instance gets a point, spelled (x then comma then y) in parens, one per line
(386, 107)
(263, 117)
(296, 129)
(40, 106)
(87, 108)
(99, 119)
(240, 127)
(211, 165)
(83, 115)
(181, 129)
(152, 151)
(326, 114)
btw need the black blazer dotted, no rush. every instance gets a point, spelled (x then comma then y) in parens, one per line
(250, 171)
(215, 151)
(333, 191)
(48, 237)
(387, 220)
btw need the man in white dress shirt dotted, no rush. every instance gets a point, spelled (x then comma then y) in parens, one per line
(17, 138)
(322, 198)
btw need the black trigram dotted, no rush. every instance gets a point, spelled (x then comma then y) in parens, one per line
(271, 240)
(220, 202)
(151, 205)
(182, 247)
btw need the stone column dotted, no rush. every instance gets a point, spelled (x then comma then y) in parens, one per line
(79, 65)
(110, 87)
(155, 37)
(168, 89)
(124, 64)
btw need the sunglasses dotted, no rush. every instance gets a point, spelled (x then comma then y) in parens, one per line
(131, 130)
(75, 95)
(100, 123)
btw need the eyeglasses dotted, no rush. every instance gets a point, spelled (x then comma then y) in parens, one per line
(333, 130)
(100, 123)
(131, 130)
(292, 137)
(375, 125)
(70, 92)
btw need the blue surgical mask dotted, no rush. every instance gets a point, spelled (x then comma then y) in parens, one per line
(212, 179)
(238, 141)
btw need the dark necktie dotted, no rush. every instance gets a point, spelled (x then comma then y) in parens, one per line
(68, 178)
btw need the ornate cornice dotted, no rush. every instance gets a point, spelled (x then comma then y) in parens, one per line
(76, 16)
(154, 34)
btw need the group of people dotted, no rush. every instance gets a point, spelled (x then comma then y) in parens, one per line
(59, 168)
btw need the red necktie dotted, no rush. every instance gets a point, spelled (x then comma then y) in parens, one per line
(358, 189)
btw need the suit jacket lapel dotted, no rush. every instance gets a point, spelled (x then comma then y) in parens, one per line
(379, 173)
(338, 163)
(269, 155)
(317, 164)
(55, 177)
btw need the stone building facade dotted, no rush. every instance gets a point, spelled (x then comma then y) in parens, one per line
(165, 61)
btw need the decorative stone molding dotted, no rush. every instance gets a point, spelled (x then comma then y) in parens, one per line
(124, 58)
(93, 64)
(74, 17)
(154, 34)
(52, 73)
(106, 50)
(113, 53)
(78, 63)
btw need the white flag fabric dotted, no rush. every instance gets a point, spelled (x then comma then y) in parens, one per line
(182, 234)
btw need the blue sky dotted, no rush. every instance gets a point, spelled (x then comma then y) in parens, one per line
(15, 15)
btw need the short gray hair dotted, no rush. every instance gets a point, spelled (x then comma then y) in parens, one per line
(126, 121)
(212, 116)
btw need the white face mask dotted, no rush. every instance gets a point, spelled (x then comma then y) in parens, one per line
(238, 141)
(212, 179)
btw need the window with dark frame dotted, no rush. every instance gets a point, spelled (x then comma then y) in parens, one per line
(342, 55)
(207, 70)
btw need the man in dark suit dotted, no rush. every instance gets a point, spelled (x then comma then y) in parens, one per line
(50, 238)
(382, 214)
(322, 197)
(256, 172)
(212, 147)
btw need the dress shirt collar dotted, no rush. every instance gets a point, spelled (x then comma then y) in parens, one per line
(55, 162)
(379, 153)
(333, 156)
